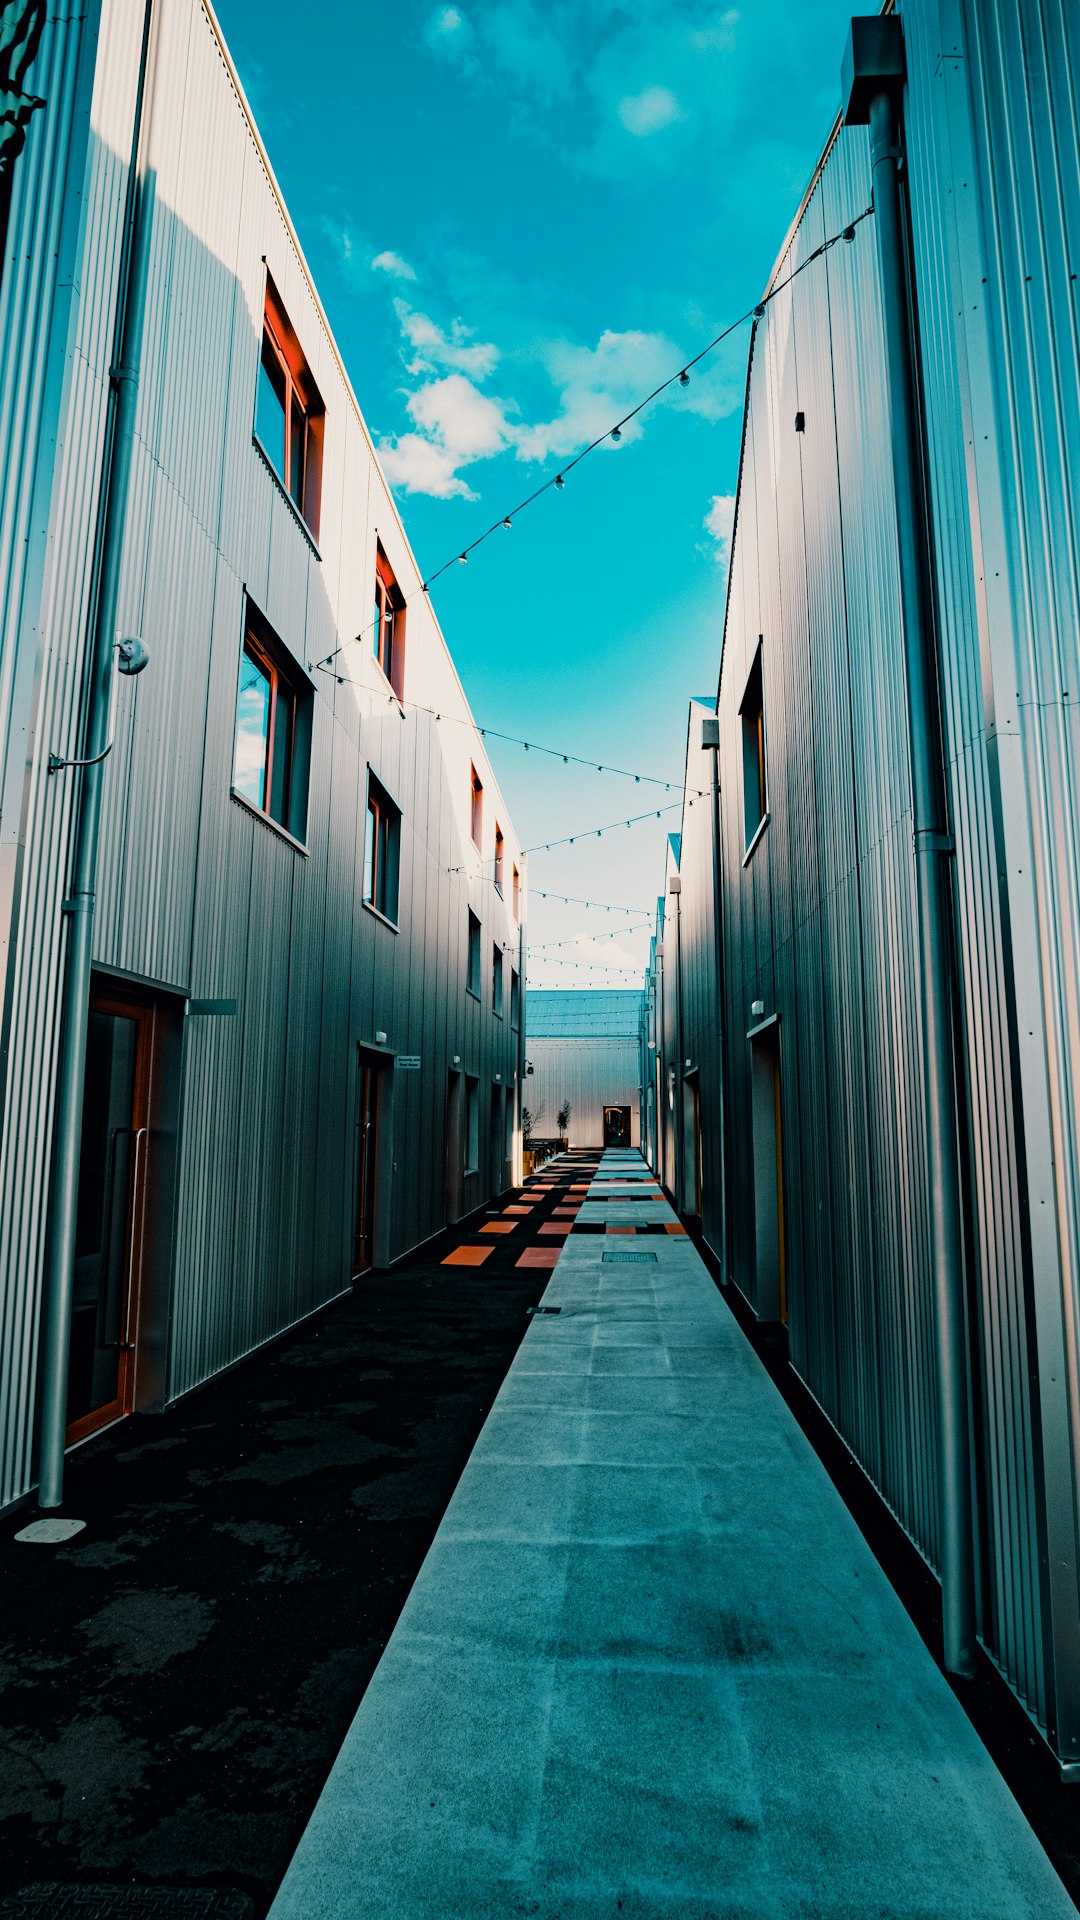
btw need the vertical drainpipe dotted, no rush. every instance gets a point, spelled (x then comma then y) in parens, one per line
(873, 78)
(517, 1173)
(710, 738)
(79, 906)
(678, 1132)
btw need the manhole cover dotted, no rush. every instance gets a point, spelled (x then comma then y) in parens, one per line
(629, 1259)
(42, 1902)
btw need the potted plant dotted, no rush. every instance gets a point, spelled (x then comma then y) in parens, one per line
(526, 1137)
(562, 1121)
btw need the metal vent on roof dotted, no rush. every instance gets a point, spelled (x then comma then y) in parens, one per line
(629, 1259)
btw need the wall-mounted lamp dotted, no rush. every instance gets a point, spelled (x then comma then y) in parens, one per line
(380, 1037)
(757, 1008)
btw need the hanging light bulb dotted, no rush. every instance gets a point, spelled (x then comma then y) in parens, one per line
(616, 433)
(559, 482)
(759, 312)
(684, 378)
(848, 235)
(508, 523)
(463, 559)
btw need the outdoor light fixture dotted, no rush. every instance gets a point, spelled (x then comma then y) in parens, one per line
(508, 523)
(456, 1062)
(559, 482)
(380, 1037)
(616, 433)
(759, 312)
(757, 1008)
(684, 378)
(132, 655)
(463, 559)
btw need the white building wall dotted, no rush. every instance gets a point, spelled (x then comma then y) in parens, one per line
(592, 1075)
(198, 898)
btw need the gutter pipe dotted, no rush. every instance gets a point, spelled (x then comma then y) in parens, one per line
(79, 906)
(873, 77)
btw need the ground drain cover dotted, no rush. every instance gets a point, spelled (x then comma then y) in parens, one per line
(41, 1902)
(528, 1310)
(629, 1259)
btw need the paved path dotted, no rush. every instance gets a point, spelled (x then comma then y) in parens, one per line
(650, 1666)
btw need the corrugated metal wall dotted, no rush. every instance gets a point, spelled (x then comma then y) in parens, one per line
(197, 895)
(584, 1047)
(819, 924)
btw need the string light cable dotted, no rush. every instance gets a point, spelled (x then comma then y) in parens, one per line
(681, 378)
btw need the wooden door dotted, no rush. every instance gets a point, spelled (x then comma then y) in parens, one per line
(111, 1211)
(367, 1164)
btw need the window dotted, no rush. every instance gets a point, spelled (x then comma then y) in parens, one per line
(289, 412)
(515, 998)
(382, 851)
(472, 977)
(517, 893)
(499, 859)
(477, 809)
(472, 1124)
(273, 729)
(388, 629)
(497, 981)
(752, 716)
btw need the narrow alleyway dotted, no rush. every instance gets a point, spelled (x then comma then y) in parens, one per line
(650, 1665)
(175, 1683)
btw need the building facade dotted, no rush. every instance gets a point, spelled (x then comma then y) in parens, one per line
(306, 1007)
(814, 1128)
(584, 1049)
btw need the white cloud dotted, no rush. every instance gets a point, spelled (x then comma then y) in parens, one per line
(436, 348)
(649, 112)
(393, 264)
(456, 424)
(417, 465)
(719, 522)
(596, 385)
(448, 31)
(456, 415)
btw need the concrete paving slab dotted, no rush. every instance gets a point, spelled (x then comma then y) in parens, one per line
(650, 1667)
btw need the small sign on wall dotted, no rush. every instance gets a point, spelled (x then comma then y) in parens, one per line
(408, 1063)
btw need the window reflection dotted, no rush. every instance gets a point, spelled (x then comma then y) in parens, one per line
(252, 731)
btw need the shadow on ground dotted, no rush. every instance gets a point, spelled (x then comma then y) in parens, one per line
(177, 1681)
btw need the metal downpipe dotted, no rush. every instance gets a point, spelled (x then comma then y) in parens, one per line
(79, 906)
(933, 850)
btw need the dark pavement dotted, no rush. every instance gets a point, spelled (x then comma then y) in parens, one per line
(176, 1682)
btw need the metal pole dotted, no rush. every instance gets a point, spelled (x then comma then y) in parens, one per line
(933, 848)
(79, 906)
(679, 1131)
(718, 940)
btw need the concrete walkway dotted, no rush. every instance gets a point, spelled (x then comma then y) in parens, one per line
(650, 1666)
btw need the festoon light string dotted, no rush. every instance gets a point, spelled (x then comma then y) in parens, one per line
(681, 378)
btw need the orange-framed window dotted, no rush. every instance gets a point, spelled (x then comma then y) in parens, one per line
(477, 809)
(289, 412)
(752, 718)
(497, 981)
(388, 630)
(500, 852)
(516, 892)
(382, 851)
(273, 724)
(472, 959)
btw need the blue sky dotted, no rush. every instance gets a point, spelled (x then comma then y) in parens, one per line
(520, 219)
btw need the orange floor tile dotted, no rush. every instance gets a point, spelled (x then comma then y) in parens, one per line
(466, 1257)
(554, 1226)
(499, 1226)
(620, 1229)
(669, 1228)
(538, 1257)
(517, 1209)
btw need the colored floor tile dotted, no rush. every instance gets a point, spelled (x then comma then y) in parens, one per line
(620, 1229)
(499, 1226)
(466, 1257)
(670, 1228)
(517, 1209)
(555, 1226)
(538, 1257)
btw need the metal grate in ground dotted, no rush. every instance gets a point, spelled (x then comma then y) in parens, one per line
(54, 1902)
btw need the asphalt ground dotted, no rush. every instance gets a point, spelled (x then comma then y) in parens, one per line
(176, 1681)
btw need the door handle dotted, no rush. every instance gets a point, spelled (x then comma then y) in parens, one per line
(134, 1255)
